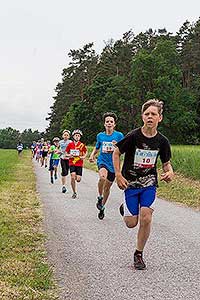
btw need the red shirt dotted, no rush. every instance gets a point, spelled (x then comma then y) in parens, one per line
(78, 150)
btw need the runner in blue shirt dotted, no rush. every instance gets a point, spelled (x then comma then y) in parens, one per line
(105, 145)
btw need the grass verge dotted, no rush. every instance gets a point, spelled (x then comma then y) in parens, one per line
(24, 271)
(181, 190)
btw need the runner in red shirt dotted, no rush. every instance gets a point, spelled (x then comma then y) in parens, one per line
(77, 152)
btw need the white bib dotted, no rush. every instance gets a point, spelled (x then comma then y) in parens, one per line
(74, 152)
(145, 158)
(107, 147)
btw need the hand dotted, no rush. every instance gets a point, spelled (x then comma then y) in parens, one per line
(121, 182)
(91, 159)
(167, 176)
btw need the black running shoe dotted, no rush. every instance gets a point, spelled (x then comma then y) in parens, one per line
(51, 179)
(101, 214)
(121, 209)
(99, 202)
(74, 196)
(64, 190)
(138, 262)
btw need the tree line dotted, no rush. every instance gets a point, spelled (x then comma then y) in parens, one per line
(9, 137)
(129, 71)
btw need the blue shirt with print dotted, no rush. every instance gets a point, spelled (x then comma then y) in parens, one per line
(63, 145)
(105, 143)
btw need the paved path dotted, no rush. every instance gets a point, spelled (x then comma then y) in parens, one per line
(93, 259)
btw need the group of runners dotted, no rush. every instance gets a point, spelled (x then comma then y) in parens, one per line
(70, 153)
(138, 177)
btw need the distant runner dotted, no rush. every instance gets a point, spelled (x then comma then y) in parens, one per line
(64, 160)
(44, 151)
(77, 152)
(55, 152)
(105, 144)
(138, 179)
(33, 146)
(20, 148)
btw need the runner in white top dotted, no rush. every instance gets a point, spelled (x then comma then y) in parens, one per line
(20, 148)
(64, 160)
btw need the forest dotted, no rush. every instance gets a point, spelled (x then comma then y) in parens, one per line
(10, 137)
(129, 71)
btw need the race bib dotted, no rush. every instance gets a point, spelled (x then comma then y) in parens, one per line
(107, 147)
(74, 152)
(145, 158)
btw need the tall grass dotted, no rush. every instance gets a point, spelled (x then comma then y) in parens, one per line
(186, 161)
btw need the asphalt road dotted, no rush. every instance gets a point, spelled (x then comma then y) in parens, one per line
(93, 259)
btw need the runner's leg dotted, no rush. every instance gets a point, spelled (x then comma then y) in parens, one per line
(106, 191)
(73, 182)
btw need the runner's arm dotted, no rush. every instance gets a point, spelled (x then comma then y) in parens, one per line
(121, 181)
(93, 154)
(168, 172)
(84, 156)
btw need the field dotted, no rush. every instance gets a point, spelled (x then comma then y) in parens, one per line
(8, 162)
(24, 272)
(185, 160)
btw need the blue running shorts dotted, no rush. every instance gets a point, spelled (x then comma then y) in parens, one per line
(136, 198)
(52, 163)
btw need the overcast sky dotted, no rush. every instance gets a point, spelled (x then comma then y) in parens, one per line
(36, 37)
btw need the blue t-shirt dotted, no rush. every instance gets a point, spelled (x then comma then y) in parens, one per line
(105, 143)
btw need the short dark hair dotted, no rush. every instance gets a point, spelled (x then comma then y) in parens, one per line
(109, 114)
(153, 102)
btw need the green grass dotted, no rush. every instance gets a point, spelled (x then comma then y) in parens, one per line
(24, 271)
(185, 160)
(8, 162)
(87, 164)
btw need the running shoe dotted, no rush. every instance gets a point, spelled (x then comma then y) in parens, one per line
(99, 204)
(51, 179)
(45, 166)
(55, 176)
(74, 195)
(121, 209)
(101, 214)
(64, 190)
(138, 262)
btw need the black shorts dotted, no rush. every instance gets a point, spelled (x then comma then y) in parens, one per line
(110, 176)
(44, 154)
(76, 169)
(65, 166)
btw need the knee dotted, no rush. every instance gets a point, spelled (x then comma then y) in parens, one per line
(102, 178)
(130, 223)
(145, 219)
